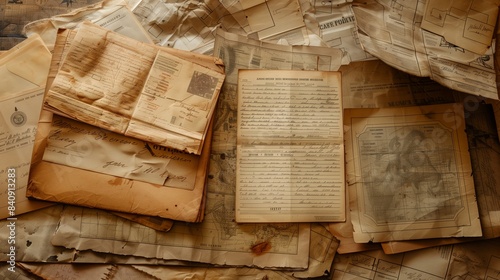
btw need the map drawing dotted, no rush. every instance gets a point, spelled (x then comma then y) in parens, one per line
(409, 173)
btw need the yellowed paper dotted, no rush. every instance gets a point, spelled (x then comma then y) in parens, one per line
(343, 231)
(374, 84)
(181, 197)
(211, 273)
(391, 31)
(23, 72)
(87, 147)
(469, 24)
(472, 260)
(483, 144)
(186, 178)
(110, 14)
(15, 273)
(266, 17)
(155, 223)
(289, 147)
(24, 67)
(267, 245)
(96, 85)
(33, 232)
(181, 25)
(17, 13)
(70, 271)
(321, 252)
(409, 174)
(240, 52)
(396, 247)
(337, 29)
(124, 271)
(33, 236)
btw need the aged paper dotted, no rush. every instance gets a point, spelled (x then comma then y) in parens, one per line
(70, 271)
(155, 223)
(344, 233)
(182, 25)
(15, 14)
(472, 260)
(483, 147)
(290, 148)
(220, 207)
(17, 273)
(267, 245)
(24, 67)
(469, 24)
(239, 52)
(33, 233)
(337, 28)
(85, 271)
(87, 147)
(211, 273)
(321, 252)
(110, 14)
(266, 17)
(181, 196)
(391, 31)
(396, 247)
(23, 72)
(185, 185)
(136, 96)
(409, 174)
(374, 84)
(322, 249)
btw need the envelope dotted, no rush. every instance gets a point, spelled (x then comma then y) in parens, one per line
(23, 73)
(25, 67)
(71, 185)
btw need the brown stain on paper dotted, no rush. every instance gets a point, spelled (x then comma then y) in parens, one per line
(116, 182)
(261, 248)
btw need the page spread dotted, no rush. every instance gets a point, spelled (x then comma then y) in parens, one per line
(136, 89)
(289, 147)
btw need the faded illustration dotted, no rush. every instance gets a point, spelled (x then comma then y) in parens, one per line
(446, 44)
(203, 85)
(409, 173)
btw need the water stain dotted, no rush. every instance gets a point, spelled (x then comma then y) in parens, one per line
(261, 248)
(115, 182)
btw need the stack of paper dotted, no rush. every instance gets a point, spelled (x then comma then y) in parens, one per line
(277, 139)
(153, 170)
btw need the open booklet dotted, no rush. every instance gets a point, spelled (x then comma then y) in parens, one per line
(155, 94)
(290, 149)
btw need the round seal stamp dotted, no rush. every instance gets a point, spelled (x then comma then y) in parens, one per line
(18, 118)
